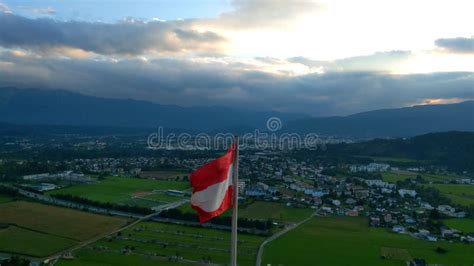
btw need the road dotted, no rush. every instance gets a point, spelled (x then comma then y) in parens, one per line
(277, 235)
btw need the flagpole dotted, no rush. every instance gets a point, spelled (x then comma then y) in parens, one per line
(235, 176)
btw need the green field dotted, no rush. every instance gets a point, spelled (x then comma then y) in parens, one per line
(5, 198)
(39, 230)
(23, 241)
(459, 194)
(274, 211)
(119, 189)
(349, 241)
(95, 258)
(163, 197)
(265, 210)
(165, 175)
(464, 225)
(155, 243)
(393, 177)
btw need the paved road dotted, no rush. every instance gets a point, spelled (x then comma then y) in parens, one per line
(277, 235)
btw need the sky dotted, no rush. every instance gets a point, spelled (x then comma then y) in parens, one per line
(322, 57)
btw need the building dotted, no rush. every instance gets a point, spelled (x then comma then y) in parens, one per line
(405, 192)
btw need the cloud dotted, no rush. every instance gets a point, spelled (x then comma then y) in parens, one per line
(4, 9)
(191, 83)
(129, 37)
(248, 14)
(40, 10)
(456, 45)
(377, 62)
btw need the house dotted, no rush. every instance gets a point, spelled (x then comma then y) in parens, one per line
(350, 201)
(352, 213)
(399, 229)
(446, 209)
(404, 192)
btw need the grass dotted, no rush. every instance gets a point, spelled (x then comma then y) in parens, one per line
(5, 198)
(349, 241)
(393, 177)
(274, 211)
(163, 197)
(265, 210)
(119, 189)
(459, 194)
(464, 225)
(163, 174)
(56, 221)
(154, 243)
(95, 258)
(23, 241)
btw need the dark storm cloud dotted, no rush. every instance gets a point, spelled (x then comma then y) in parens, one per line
(183, 82)
(129, 37)
(456, 45)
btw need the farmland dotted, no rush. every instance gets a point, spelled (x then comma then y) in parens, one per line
(393, 177)
(122, 190)
(23, 241)
(5, 198)
(155, 243)
(266, 210)
(459, 194)
(38, 230)
(349, 241)
(464, 225)
(274, 211)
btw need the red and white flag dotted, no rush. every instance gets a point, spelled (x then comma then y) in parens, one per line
(212, 186)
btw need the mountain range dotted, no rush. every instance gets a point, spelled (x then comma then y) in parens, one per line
(65, 108)
(400, 122)
(59, 107)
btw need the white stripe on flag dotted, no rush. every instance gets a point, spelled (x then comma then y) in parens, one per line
(210, 199)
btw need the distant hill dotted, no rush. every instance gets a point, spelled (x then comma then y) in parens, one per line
(402, 122)
(453, 149)
(58, 107)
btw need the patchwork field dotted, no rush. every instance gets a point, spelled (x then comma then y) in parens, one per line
(459, 194)
(122, 190)
(275, 211)
(39, 230)
(165, 175)
(349, 241)
(464, 225)
(265, 210)
(5, 198)
(393, 177)
(18, 240)
(156, 243)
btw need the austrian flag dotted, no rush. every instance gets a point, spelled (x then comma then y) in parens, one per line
(212, 186)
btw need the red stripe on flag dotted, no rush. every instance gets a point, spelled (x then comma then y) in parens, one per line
(212, 172)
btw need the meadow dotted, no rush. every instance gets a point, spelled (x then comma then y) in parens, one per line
(264, 210)
(459, 194)
(155, 243)
(395, 176)
(39, 230)
(464, 225)
(120, 189)
(18, 240)
(5, 198)
(349, 241)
